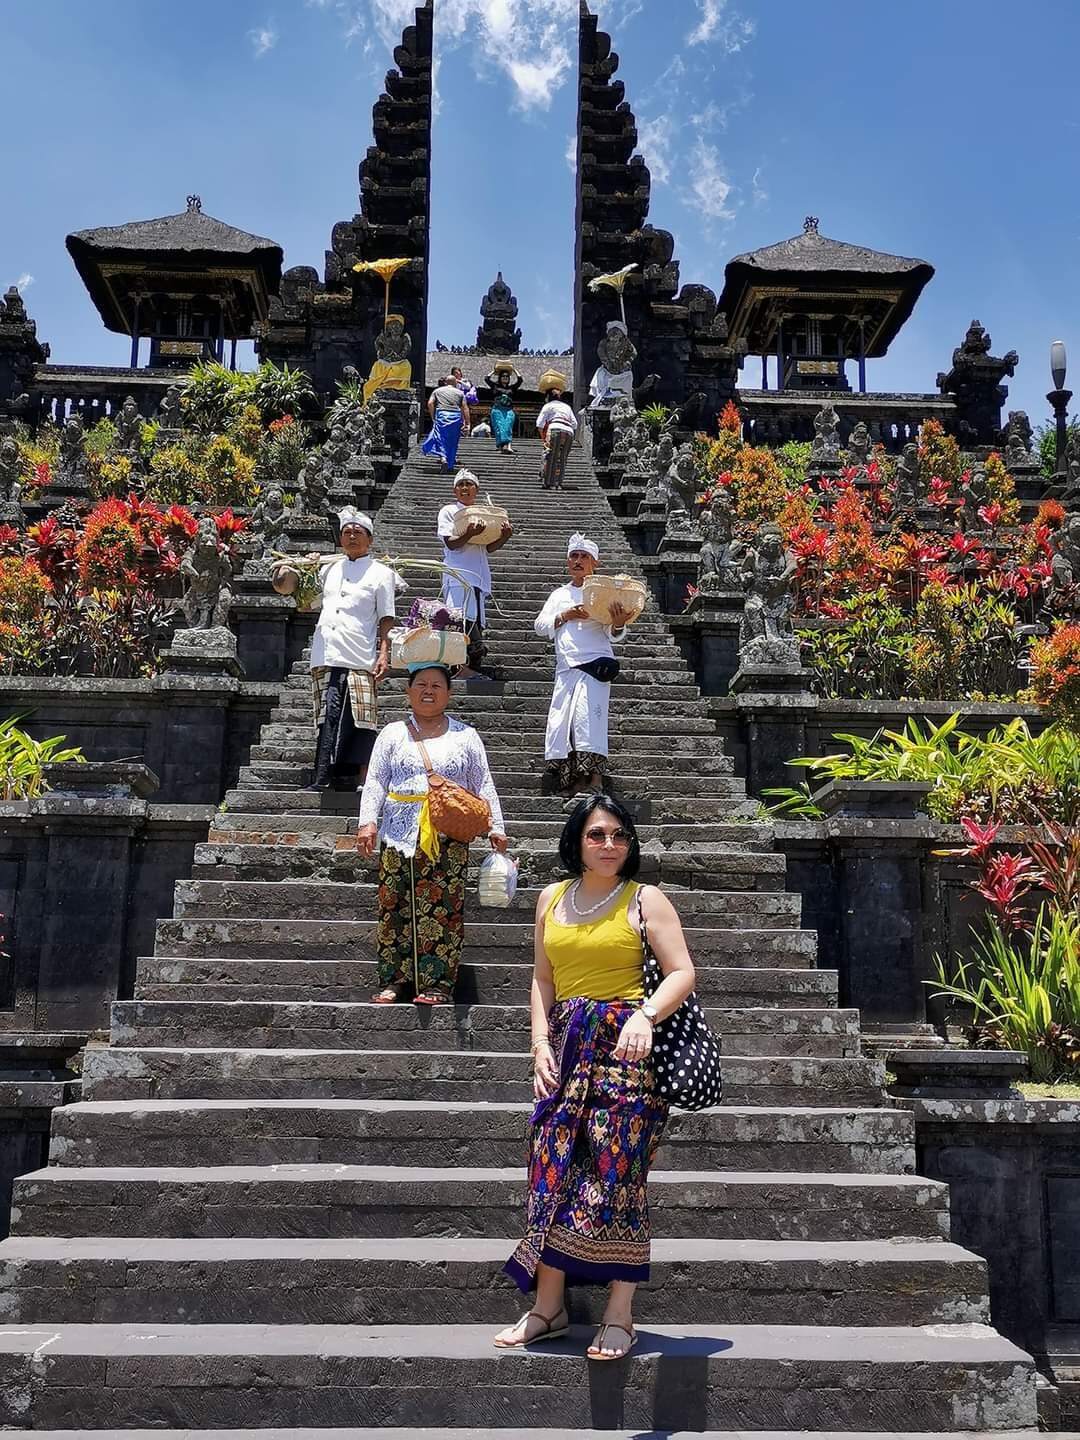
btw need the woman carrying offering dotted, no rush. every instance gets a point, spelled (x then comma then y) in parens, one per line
(422, 874)
(599, 1117)
(449, 413)
(504, 381)
(557, 425)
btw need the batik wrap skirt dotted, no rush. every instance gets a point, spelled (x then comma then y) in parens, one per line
(591, 1145)
(502, 425)
(445, 437)
(558, 452)
(422, 917)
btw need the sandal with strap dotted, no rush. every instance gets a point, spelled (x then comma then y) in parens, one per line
(550, 1332)
(390, 996)
(433, 997)
(595, 1350)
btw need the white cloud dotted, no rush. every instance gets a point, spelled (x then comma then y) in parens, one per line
(263, 38)
(24, 281)
(571, 154)
(730, 30)
(656, 142)
(711, 189)
(758, 192)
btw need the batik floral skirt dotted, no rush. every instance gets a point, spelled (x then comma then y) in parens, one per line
(422, 917)
(592, 1142)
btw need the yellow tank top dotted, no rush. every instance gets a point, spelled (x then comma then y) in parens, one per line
(599, 958)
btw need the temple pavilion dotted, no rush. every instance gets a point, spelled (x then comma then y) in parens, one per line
(816, 303)
(188, 283)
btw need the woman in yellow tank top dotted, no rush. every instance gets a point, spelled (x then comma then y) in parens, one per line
(598, 1118)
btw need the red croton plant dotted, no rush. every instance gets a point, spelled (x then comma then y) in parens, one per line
(95, 595)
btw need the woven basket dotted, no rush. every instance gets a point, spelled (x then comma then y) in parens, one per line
(494, 517)
(551, 380)
(599, 592)
(442, 647)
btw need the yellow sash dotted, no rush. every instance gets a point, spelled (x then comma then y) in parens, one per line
(429, 838)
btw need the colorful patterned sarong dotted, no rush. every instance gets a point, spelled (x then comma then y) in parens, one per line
(445, 437)
(502, 425)
(592, 1142)
(422, 917)
(558, 452)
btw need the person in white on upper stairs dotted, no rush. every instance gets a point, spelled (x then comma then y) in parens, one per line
(557, 425)
(576, 743)
(470, 592)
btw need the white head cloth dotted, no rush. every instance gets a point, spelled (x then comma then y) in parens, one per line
(578, 541)
(351, 516)
(617, 325)
(466, 475)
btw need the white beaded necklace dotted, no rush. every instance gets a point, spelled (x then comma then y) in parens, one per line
(591, 909)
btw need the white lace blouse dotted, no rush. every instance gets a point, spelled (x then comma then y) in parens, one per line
(396, 765)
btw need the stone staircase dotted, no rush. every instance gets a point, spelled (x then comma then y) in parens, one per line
(282, 1211)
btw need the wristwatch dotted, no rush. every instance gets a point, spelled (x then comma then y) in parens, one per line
(649, 1011)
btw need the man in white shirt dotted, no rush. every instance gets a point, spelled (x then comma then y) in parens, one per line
(350, 654)
(557, 425)
(469, 592)
(576, 743)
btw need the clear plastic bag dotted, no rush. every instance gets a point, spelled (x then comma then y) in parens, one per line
(498, 880)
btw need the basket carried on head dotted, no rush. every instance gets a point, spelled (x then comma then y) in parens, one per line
(600, 592)
(551, 380)
(493, 517)
(438, 647)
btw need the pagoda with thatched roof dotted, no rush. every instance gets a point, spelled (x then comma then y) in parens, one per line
(816, 303)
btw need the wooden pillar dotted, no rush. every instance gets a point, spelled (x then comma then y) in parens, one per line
(862, 358)
(780, 355)
(232, 356)
(135, 336)
(764, 372)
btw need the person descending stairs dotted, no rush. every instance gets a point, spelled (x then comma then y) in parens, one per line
(280, 1209)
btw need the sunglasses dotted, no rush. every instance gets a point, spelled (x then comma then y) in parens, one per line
(601, 837)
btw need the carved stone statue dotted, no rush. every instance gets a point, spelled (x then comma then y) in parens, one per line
(859, 445)
(375, 413)
(826, 444)
(615, 374)
(638, 447)
(129, 424)
(658, 460)
(169, 411)
(312, 493)
(336, 452)
(1071, 494)
(976, 494)
(207, 576)
(974, 382)
(623, 419)
(392, 369)
(268, 521)
(720, 558)
(1018, 440)
(907, 492)
(73, 453)
(766, 635)
(1063, 586)
(11, 511)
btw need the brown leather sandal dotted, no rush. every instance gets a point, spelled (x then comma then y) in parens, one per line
(595, 1350)
(549, 1333)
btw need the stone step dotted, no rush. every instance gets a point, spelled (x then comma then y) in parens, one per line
(367, 1202)
(104, 1280)
(392, 1132)
(316, 859)
(499, 1029)
(627, 738)
(353, 941)
(480, 979)
(116, 1377)
(118, 1072)
(297, 900)
(534, 1433)
(533, 816)
(629, 758)
(514, 694)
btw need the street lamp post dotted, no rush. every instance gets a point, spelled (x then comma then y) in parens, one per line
(1059, 398)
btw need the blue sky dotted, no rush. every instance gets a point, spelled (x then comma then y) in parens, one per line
(942, 130)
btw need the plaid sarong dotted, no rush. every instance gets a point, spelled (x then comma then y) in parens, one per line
(363, 698)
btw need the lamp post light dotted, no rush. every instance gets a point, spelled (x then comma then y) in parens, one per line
(1059, 398)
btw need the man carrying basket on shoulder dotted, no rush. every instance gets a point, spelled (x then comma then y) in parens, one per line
(461, 552)
(576, 743)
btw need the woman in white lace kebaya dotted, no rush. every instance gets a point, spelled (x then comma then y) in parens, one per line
(421, 875)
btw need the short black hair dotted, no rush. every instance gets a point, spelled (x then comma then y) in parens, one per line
(570, 841)
(443, 671)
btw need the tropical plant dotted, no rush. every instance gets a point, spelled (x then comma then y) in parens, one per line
(793, 802)
(655, 417)
(939, 454)
(22, 760)
(280, 391)
(1055, 673)
(213, 394)
(1023, 989)
(1045, 438)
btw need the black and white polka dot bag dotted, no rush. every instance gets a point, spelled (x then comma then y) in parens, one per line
(685, 1053)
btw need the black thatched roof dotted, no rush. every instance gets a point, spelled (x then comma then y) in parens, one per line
(812, 263)
(189, 242)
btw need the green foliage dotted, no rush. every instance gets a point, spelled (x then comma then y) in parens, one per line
(655, 417)
(213, 394)
(1024, 991)
(794, 458)
(967, 644)
(1045, 444)
(793, 802)
(22, 760)
(867, 655)
(1010, 775)
(280, 391)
